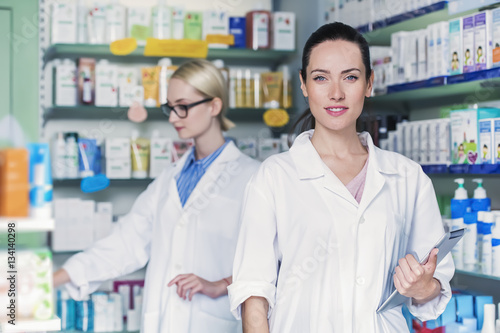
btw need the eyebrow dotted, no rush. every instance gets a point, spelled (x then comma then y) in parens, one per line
(343, 72)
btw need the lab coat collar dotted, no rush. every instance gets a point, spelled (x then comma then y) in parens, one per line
(310, 166)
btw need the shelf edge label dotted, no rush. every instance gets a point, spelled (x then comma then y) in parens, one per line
(183, 48)
(220, 39)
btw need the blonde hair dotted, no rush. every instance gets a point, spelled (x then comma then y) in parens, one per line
(208, 81)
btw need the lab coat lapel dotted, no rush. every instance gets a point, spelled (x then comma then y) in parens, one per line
(172, 187)
(206, 188)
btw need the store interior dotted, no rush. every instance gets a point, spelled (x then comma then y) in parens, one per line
(75, 72)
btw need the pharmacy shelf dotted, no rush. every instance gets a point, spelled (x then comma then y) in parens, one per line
(380, 32)
(120, 113)
(102, 51)
(477, 275)
(33, 326)
(112, 182)
(462, 169)
(25, 224)
(480, 85)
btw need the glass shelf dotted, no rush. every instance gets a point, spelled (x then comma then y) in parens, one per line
(479, 83)
(120, 113)
(380, 32)
(102, 51)
(477, 275)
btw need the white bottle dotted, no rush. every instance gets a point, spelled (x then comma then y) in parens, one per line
(115, 21)
(489, 319)
(72, 171)
(459, 206)
(486, 257)
(495, 252)
(162, 21)
(166, 71)
(470, 239)
(59, 157)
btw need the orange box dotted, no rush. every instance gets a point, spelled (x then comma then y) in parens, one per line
(14, 182)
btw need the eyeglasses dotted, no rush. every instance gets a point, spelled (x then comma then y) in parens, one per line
(181, 110)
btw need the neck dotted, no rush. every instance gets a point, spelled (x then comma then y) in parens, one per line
(208, 142)
(337, 143)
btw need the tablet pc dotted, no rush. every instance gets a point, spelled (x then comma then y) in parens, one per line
(444, 244)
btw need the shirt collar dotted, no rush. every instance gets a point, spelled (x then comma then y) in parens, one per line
(207, 160)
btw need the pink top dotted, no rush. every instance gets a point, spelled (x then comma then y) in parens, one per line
(357, 184)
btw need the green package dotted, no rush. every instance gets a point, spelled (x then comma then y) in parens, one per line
(193, 25)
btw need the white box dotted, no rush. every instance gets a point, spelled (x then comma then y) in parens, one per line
(64, 24)
(496, 137)
(496, 36)
(431, 51)
(161, 22)
(118, 168)
(442, 48)
(456, 54)
(422, 54)
(407, 132)
(391, 135)
(268, 147)
(66, 87)
(468, 43)
(400, 137)
(433, 141)
(248, 146)
(415, 134)
(178, 22)
(443, 142)
(117, 148)
(411, 57)
(424, 143)
(160, 155)
(483, 40)
(283, 31)
(103, 220)
(139, 19)
(486, 141)
(215, 23)
(106, 84)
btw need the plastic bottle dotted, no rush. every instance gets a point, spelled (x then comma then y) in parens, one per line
(116, 15)
(495, 248)
(479, 238)
(460, 204)
(87, 86)
(480, 202)
(489, 319)
(219, 63)
(72, 169)
(258, 26)
(59, 157)
(486, 257)
(286, 101)
(162, 21)
(470, 238)
(166, 71)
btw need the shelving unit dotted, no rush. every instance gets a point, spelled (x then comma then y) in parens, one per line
(26, 224)
(477, 283)
(113, 182)
(462, 169)
(53, 324)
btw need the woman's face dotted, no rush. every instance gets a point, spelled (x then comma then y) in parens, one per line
(336, 84)
(200, 118)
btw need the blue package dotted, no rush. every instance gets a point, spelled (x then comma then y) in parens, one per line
(98, 161)
(450, 313)
(237, 28)
(84, 316)
(66, 310)
(465, 307)
(87, 154)
(94, 184)
(479, 303)
(408, 317)
(40, 189)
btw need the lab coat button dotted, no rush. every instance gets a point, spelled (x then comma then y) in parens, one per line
(360, 281)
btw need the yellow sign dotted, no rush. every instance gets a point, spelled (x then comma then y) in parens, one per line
(220, 39)
(123, 47)
(183, 48)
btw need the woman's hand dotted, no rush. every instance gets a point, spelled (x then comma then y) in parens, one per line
(60, 277)
(417, 281)
(195, 284)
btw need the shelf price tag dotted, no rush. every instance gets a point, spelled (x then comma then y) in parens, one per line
(123, 47)
(183, 48)
(220, 39)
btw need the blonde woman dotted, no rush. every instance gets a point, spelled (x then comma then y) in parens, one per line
(185, 224)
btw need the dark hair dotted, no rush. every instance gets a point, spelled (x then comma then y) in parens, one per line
(330, 32)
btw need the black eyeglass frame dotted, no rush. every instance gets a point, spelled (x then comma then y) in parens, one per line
(166, 109)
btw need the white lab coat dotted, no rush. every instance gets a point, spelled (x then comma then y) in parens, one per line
(337, 256)
(199, 238)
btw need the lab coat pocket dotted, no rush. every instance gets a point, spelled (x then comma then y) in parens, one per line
(205, 322)
(151, 322)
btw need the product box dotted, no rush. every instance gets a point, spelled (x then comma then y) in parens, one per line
(483, 40)
(433, 141)
(422, 54)
(407, 139)
(129, 94)
(64, 24)
(97, 24)
(103, 220)
(66, 90)
(248, 146)
(180, 148)
(193, 25)
(442, 48)
(268, 147)
(391, 141)
(106, 84)
(117, 148)
(496, 140)
(486, 140)
(118, 168)
(258, 27)
(456, 47)
(465, 133)
(160, 155)
(81, 21)
(161, 22)
(443, 141)
(178, 14)
(86, 80)
(425, 143)
(116, 17)
(468, 33)
(415, 134)
(411, 58)
(431, 51)
(139, 24)
(127, 77)
(215, 23)
(14, 184)
(237, 28)
(283, 31)
(496, 36)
